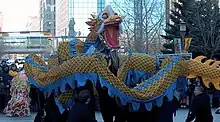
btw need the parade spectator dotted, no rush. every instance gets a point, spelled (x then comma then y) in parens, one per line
(14, 67)
(210, 92)
(2, 87)
(5, 84)
(217, 95)
(182, 88)
(80, 111)
(3, 63)
(192, 83)
(200, 110)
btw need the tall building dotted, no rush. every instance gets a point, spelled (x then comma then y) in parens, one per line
(101, 5)
(33, 23)
(169, 6)
(48, 16)
(74, 13)
(62, 17)
(1, 21)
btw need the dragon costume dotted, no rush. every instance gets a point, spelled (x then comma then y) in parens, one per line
(77, 62)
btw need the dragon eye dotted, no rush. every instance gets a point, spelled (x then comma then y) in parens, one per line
(104, 16)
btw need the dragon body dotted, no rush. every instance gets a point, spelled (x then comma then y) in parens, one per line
(79, 61)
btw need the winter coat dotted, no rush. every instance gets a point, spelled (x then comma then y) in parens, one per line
(80, 112)
(200, 109)
(168, 109)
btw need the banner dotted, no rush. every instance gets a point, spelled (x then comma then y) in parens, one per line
(177, 45)
(187, 42)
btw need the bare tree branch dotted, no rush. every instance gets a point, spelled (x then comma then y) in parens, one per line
(152, 20)
(203, 24)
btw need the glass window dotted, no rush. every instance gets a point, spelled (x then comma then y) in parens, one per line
(81, 16)
(76, 16)
(80, 5)
(82, 10)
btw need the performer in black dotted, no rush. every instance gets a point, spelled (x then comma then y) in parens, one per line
(200, 109)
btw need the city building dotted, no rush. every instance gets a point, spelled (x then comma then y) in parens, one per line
(72, 15)
(169, 6)
(33, 23)
(119, 6)
(101, 5)
(62, 17)
(48, 16)
(1, 21)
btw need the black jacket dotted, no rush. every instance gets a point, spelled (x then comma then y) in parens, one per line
(166, 112)
(200, 109)
(80, 113)
(2, 85)
(6, 77)
(5, 81)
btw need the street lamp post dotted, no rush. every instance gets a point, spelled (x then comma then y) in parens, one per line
(182, 32)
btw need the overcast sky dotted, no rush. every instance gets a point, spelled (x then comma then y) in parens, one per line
(16, 12)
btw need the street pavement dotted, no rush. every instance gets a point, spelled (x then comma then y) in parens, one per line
(182, 113)
(180, 117)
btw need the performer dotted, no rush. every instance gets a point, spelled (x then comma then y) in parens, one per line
(80, 111)
(18, 105)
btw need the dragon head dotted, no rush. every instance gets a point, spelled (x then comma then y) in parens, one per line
(107, 24)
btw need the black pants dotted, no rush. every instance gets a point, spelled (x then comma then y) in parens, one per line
(40, 116)
(4, 98)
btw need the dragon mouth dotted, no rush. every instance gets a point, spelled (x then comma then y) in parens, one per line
(111, 34)
(111, 31)
(110, 27)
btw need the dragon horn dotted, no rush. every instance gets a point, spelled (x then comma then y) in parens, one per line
(199, 58)
(208, 62)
